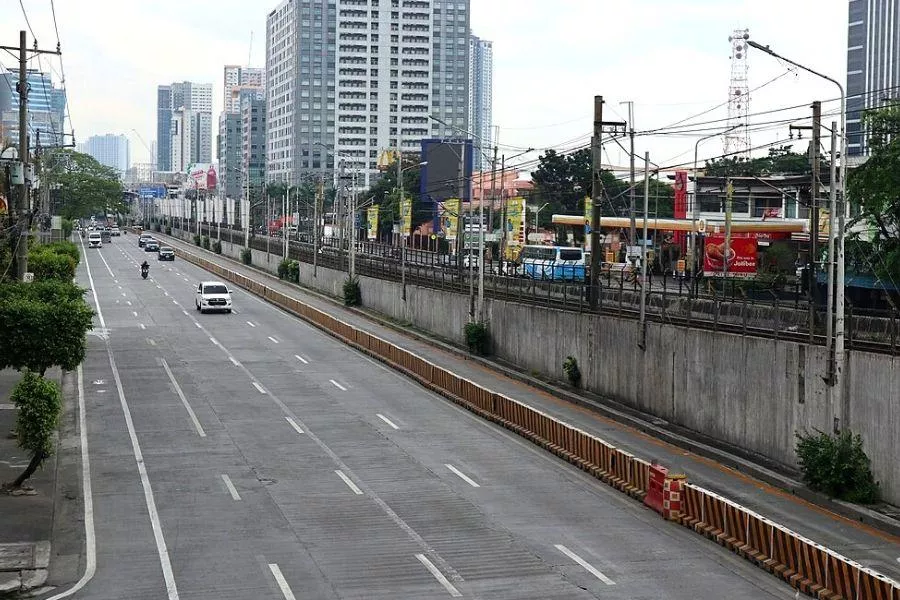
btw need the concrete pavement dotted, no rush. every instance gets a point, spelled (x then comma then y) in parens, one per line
(250, 455)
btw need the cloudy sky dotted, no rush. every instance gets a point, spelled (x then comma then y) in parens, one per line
(672, 59)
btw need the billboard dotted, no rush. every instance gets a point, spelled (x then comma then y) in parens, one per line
(445, 176)
(202, 176)
(741, 258)
(372, 223)
(450, 213)
(405, 216)
(514, 225)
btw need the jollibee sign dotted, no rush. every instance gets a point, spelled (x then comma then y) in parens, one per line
(741, 257)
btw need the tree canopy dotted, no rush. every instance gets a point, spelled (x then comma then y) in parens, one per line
(780, 161)
(564, 180)
(385, 194)
(874, 188)
(81, 186)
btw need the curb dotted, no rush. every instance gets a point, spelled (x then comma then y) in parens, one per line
(621, 414)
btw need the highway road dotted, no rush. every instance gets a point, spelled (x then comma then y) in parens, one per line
(251, 456)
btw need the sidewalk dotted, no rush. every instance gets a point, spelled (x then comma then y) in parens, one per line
(869, 546)
(27, 521)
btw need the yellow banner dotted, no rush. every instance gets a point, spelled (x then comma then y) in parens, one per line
(405, 217)
(372, 223)
(450, 210)
(588, 213)
(515, 222)
(824, 229)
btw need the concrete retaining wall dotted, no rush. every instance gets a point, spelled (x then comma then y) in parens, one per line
(751, 392)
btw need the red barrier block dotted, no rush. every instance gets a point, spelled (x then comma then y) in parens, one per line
(654, 498)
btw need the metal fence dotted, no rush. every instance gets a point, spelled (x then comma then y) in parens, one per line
(775, 313)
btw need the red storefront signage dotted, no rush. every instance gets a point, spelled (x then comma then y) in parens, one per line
(741, 258)
(681, 204)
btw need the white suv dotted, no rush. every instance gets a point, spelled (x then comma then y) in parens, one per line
(95, 240)
(211, 296)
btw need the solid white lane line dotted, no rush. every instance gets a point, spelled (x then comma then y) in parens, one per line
(585, 565)
(337, 385)
(260, 388)
(199, 326)
(234, 361)
(386, 420)
(274, 341)
(184, 400)
(184, 311)
(282, 582)
(214, 340)
(439, 576)
(301, 359)
(231, 489)
(143, 326)
(462, 475)
(90, 540)
(349, 482)
(250, 324)
(294, 425)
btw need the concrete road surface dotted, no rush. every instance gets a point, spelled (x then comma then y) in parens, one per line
(248, 455)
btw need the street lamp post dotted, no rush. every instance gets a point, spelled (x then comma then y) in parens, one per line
(838, 358)
(403, 232)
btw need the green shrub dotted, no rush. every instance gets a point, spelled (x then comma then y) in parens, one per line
(352, 292)
(205, 242)
(573, 373)
(168, 230)
(157, 227)
(293, 272)
(217, 247)
(39, 402)
(69, 248)
(47, 264)
(246, 256)
(477, 338)
(283, 269)
(197, 239)
(837, 465)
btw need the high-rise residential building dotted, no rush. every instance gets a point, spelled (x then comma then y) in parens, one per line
(46, 109)
(481, 95)
(229, 154)
(110, 150)
(164, 128)
(300, 89)
(237, 78)
(253, 141)
(450, 102)
(873, 63)
(184, 137)
(195, 100)
(344, 79)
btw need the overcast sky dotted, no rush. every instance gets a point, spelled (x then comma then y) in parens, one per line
(550, 59)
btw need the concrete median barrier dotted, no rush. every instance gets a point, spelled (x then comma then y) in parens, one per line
(805, 565)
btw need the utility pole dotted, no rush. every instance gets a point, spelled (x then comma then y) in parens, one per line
(814, 208)
(596, 190)
(729, 209)
(633, 233)
(22, 217)
(832, 195)
(643, 343)
(320, 192)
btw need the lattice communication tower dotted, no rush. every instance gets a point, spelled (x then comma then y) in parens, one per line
(737, 140)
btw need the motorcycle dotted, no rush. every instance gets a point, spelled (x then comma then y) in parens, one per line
(145, 271)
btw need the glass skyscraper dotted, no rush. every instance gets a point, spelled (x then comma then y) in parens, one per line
(873, 63)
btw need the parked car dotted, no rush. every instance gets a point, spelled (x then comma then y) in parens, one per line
(151, 245)
(166, 253)
(212, 296)
(95, 240)
(143, 238)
